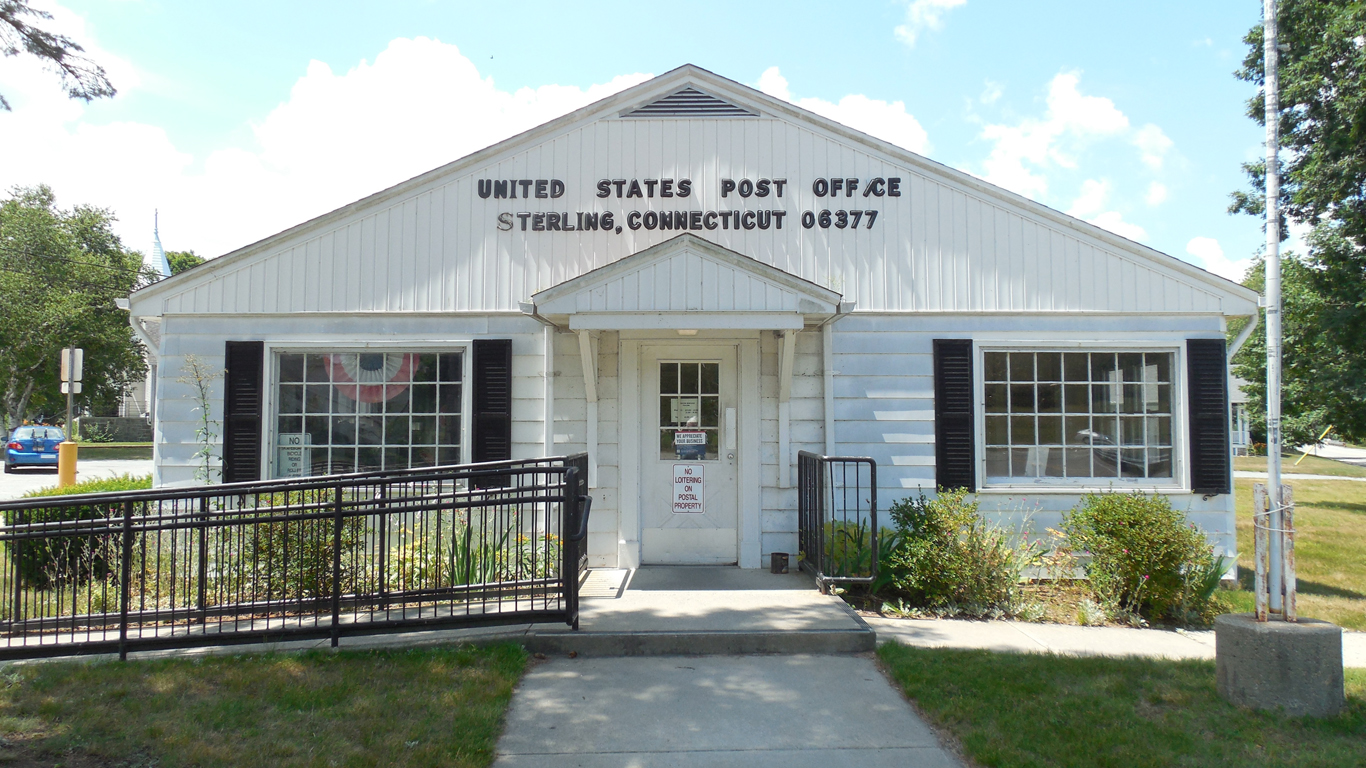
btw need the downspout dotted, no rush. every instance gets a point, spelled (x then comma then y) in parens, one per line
(827, 362)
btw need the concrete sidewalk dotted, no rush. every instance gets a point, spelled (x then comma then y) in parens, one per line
(1291, 476)
(759, 711)
(1024, 637)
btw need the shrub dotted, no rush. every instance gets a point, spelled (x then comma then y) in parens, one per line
(59, 559)
(947, 559)
(292, 559)
(1145, 559)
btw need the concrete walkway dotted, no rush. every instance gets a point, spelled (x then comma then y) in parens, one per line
(15, 484)
(1292, 476)
(753, 711)
(1024, 637)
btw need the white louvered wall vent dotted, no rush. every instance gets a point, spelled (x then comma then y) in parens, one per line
(690, 102)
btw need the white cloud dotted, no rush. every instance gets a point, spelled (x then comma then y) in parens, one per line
(774, 84)
(337, 138)
(1157, 193)
(922, 15)
(1211, 257)
(888, 121)
(1153, 145)
(1090, 206)
(1071, 120)
(991, 92)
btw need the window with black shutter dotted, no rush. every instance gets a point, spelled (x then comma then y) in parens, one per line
(491, 421)
(954, 450)
(244, 361)
(1207, 387)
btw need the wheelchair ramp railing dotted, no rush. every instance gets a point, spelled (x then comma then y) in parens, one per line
(837, 526)
(316, 557)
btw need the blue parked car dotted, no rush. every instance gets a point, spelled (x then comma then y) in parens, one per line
(33, 447)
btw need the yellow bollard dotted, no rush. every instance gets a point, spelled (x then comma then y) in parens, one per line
(66, 463)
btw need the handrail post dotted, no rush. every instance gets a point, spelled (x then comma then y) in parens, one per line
(569, 566)
(125, 586)
(336, 566)
(203, 596)
(18, 559)
(383, 498)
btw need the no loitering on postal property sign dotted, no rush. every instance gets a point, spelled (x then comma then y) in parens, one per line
(688, 489)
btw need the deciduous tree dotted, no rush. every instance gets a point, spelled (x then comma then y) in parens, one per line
(1322, 121)
(60, 272)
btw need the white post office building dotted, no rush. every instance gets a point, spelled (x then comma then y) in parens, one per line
(692, 270)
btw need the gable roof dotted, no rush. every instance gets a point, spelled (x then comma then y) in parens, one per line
(1224, 296)
(686, 274)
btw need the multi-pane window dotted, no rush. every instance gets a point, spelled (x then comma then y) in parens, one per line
(689, 410)
(1078, 415)
(357, 412)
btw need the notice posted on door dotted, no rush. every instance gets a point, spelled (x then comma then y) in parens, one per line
(688, 489)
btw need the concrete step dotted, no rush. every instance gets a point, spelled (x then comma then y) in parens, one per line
(700, 643)
(695, 611)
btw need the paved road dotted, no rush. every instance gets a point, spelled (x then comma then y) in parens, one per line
(16, 484)
(711, 711)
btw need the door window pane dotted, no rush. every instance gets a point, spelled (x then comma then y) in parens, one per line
(689, 411)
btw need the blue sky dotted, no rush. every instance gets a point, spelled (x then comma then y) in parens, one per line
(238, 120)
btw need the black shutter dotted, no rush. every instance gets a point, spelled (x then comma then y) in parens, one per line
(955, 460)
(1207, 386)
(492, 418)
(242, 411)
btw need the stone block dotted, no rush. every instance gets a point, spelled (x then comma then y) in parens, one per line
(1294, 666)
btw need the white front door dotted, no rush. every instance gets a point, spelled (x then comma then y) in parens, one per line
(689, 496)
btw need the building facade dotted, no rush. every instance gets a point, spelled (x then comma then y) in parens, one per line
(692, 281)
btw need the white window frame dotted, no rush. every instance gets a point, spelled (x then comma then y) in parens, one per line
(273, 350)
(1179, 482)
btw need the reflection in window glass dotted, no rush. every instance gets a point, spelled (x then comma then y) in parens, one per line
(1078, 414)
(358, 412)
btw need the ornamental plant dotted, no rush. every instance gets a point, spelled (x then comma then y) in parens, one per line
(945, 558)
(1142, 558)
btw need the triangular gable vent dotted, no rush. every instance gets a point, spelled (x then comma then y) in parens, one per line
(690, 102)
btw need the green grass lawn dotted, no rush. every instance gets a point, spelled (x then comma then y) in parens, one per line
(1330, 550)
(393, 708)
(1032, 710)
(1308, 465)
(114, 451)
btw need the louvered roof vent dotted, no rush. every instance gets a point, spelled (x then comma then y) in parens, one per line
(690, 102)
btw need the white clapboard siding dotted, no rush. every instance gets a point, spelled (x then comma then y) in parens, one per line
(949, 243)
(174, 461)
(884, 394)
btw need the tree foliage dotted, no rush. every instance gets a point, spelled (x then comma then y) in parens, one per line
(183, 260)
(82, 78)
(60, 272)
(1322, 122)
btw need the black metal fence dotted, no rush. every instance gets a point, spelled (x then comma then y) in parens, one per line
(837, 526)
(317, 557)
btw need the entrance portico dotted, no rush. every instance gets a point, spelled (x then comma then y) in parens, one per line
(686, 321)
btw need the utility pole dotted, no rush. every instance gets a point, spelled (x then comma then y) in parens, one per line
(72, 359)
(1279, 590)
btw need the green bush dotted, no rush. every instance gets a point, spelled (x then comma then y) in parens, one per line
(61, 559)
(1145, 560)
(945, 558)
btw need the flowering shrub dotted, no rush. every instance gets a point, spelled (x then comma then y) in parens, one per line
(1145, 560)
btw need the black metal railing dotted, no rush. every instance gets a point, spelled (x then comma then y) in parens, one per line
(316, 557)
(837, 527)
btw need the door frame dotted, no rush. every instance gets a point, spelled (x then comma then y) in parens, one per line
(748, 451)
